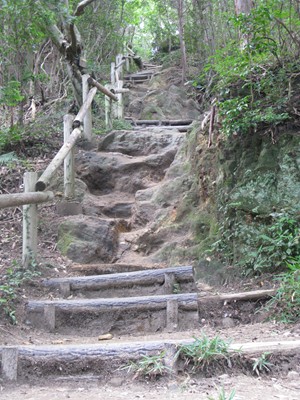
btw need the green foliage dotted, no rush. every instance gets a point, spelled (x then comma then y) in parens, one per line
(9, 136)
(10, 283)
(8, 158)
(269, 247)
(262, 363)
(203, 351)
(285, 305)
(277, 246)
(148, 367)
(10, 94)
(250, 76)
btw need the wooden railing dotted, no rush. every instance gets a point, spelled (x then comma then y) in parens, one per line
(74, 127)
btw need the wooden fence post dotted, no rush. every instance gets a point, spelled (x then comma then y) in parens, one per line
(29, 222)
(119, 105)
(87, 120)
(119, 70)
(69, 164)
(113, 73)
(108, 109)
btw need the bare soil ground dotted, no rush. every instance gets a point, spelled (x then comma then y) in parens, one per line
(186, 388)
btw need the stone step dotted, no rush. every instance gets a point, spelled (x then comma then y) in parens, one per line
(153, 141)
(112, 205)
(119, 316)
(148, 282)
(104, 172)
(89, 361)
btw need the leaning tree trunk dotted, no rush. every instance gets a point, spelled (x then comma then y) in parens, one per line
(67, 40)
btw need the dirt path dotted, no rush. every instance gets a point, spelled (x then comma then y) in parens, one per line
(246, 388)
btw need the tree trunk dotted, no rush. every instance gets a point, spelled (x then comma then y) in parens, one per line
(243, 6)
(68, 42)
(180, 6)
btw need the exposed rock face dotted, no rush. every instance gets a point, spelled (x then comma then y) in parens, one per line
(229, 192)
(88, 239)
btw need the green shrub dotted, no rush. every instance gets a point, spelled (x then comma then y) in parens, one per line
(203, 351)
(285, 305)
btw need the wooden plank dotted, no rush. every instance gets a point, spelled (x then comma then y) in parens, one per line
(20, 199)
(147, 277)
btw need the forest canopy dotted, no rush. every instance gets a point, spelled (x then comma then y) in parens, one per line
(217, 43)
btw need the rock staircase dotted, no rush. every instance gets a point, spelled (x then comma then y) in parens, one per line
(129, 296)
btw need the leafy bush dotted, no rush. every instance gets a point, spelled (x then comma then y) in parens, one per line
(285, 305)
(10, 283)
(278, 246)
(269, 248)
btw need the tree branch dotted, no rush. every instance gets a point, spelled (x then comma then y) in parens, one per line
(293, 37)
(81, 6)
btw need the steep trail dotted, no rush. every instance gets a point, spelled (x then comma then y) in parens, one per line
(141, 307)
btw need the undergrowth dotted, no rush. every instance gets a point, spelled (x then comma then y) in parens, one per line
(10, 283)
(271, 248)
(203, 351)
(253, 81)
(285, 305)
(149, 367)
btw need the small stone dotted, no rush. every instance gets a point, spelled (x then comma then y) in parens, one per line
(224, 376)
(116, 382)
(173, 386)
(292, 375)
(106, 336)
(228, 322)
(57, 342)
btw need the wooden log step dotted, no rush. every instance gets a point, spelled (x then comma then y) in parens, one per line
(127, 315)
(139, 75)
(186, 301)
(158, 281)
(137, 81)
(160, 122)
(182, 128)
(28, 363)
(100, 269)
